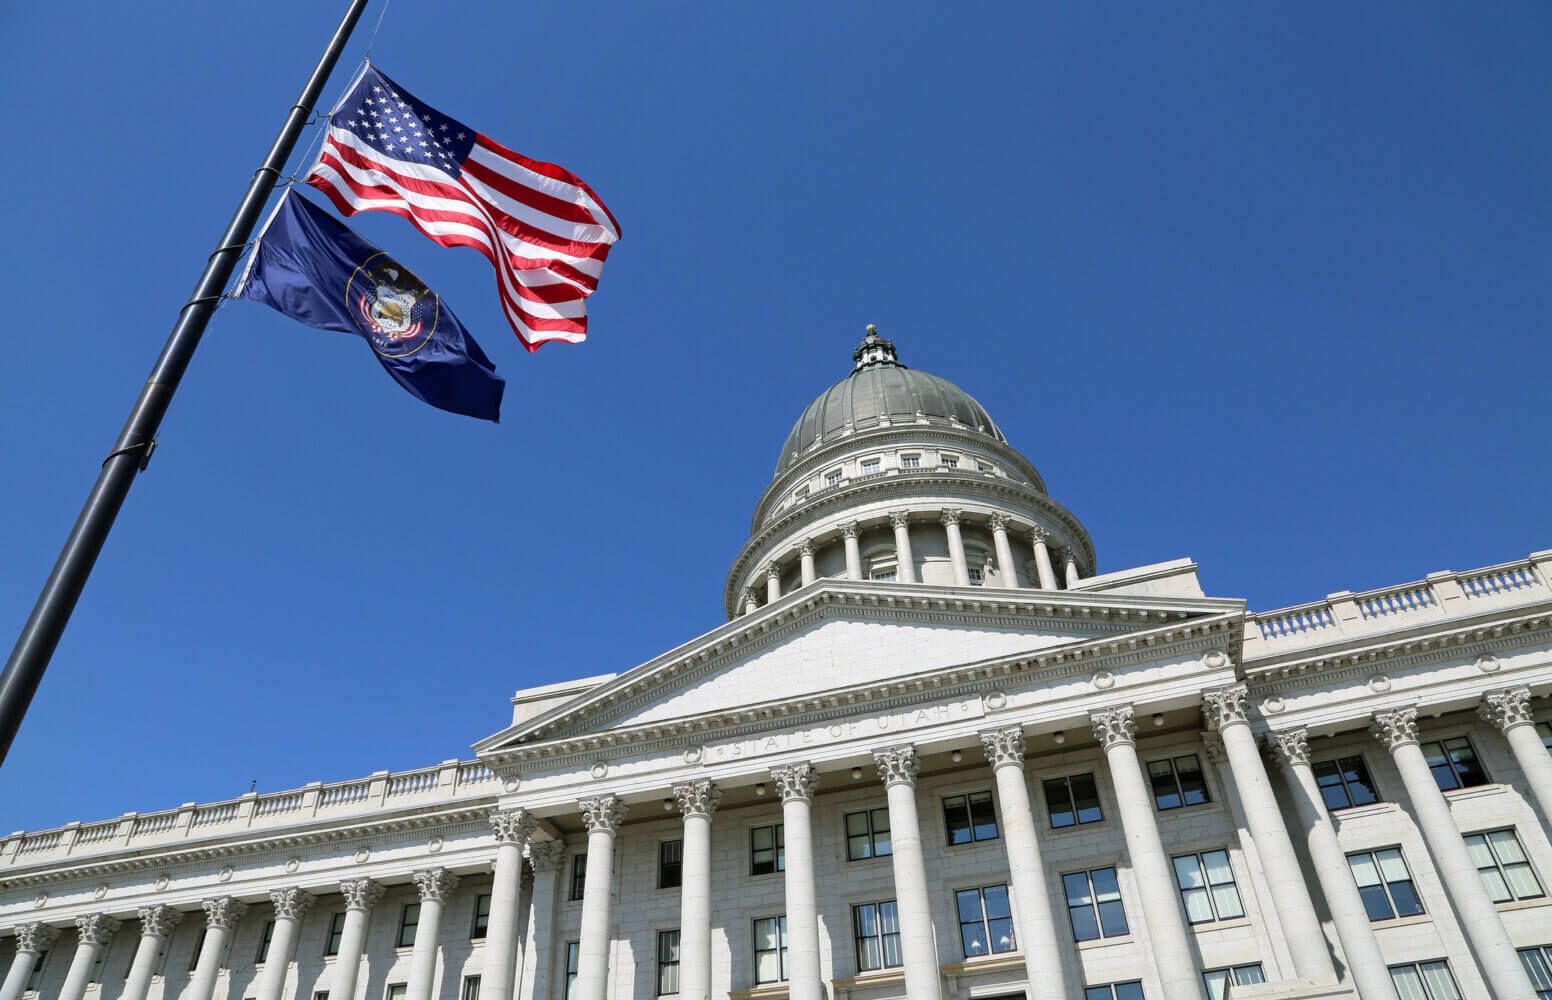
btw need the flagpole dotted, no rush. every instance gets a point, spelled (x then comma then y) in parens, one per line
(35, 646)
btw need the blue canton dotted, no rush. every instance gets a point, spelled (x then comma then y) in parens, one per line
(389, 119)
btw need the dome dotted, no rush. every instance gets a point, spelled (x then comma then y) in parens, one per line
(881, 392)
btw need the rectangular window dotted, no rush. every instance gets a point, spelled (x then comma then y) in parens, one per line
(1219, 980)
(970, 818)
(1424, 981)
(833, 478)
(910, 461)
(471, 988)
(985, 921)
(667, 962)
(331, 943)
(885, 574)
(949, 461)
(977, 576)
(578, 876)
(1454, 763)
(1505, 870)
(265, 937)
(877, 930)
(1538, 966)
(396, 991)
(1114, 991)
(1385, 884)
(867, 834)
(871, 466)
(321, 995)
(1072, 800)
(770, 950)
(573, 952)
(35, 979)
(670, 864)
(1345, 782)
(1207, 886)
(1177, 782)
(481, 923)
(1094, 904)
(409, 919)
(767, 850)
(983, 466)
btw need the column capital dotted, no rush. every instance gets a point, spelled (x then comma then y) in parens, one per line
(698, 798)
(360, 893)
(95, 928)
(291, 902)
(1000, 522)
(1004, 747)
(806, 550)
(897, 765)
(1291, 746)
(1507, 708)
(849, 529)
(1396, 728)
(796, 781)
(435, 884)
(745, 598)
(603, 813)
(1038, 535)
(159, 920)
(513, 826)
(35, 937)
(546, 855)
(1114, 725)
(950, 517)
(1069, 554)
(223, 912)
(772, 571)
(1226, 706)
(900, 519)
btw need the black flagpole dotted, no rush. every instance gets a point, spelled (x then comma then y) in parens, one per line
(35, 646)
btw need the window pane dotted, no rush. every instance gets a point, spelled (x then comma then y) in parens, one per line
(1440, 983)
(1404, 895)
(1248, 975)
(856, 824)
(969, 902)
(889, 917)
(1467, 769)
(1077, 888)
(1086, 797)
(1538, 968)
(880, 821)
(983, 816)
(867, 921)
(956, 815)
(1376, 902)
(1188, 872)
(892, 957)
(1364, 871)
(1097, 993)
(1002, 935)
(1391, 865)
(1162, 777)
(1058, 803)
(1360, 788)
(858, 848)
(1198, 908)
(1112, 919)
(869, 954)
(1481, 855)
(1128, 991)
(1328, 776)
(974, 937)
(1506, 846)
(767, 967)
(1217, 864)
(997, 901)
(1522, 881)
(1409, 985)
(1192, 785)
(1085, 925)
(1226, 898)
(1497, 888)
(1217, 983)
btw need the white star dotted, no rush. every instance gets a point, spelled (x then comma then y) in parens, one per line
(402, 104)
(398, 128)
(444, 126)
(460, 136)
(377, 90)
(422, 144)
(390, 146)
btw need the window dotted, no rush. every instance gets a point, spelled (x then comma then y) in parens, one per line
(1504, 868)
(985, 921)
(770, 950)
(481, 923)
(977, 576)
(1177, 781)
(1207, 887)
(409, 919)
(1424, 981)
(667, 962)
(35, 979)
(1538, 966)
(1072, 800)
(471, 988)
(199, 946)
(1385, 884)
(1454, 763)
(983, 466)
(396, 991)
(1219, 980)
(331, 943)
(1114, 991)
(670, 865)
(867, 834)
(877, 929)
(884, 573)
(801, 494)
(832, 478)
(949, 461)
(321, 995)
(767, 850)
(970, 818)
(1094, 904)
(573, 952)
(578, 876)
(264, 940)
(910, 461)
(1345, 783)
(871, 466)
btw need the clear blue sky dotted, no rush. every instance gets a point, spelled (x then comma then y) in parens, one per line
(1267, 286)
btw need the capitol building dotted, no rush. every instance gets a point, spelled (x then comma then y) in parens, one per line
(937, 751)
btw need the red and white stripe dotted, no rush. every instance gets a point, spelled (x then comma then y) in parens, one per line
(542, 228)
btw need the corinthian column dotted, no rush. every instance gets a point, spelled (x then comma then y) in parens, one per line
(156, 926)
(221, 916)
(956, 547)
(1043, 966)
(746, 598)
(853, 561)
(1116, 731)
(1509, 710)
(806, 560)
(435, 885)
(360, 896)
(796, 786)
(602, 816)
(546, 857)
(1228, 713)
(92, 934)
(1007, 572)
(1365, 962)
(32, 940)
(897, 768)
(905, 562)
(697, 801)
(512, 827)
(1070, 562)
(1397, 730)
(290, 904)
(1047, 574)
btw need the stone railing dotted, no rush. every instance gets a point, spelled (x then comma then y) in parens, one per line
(1441, 596)
(191, 821)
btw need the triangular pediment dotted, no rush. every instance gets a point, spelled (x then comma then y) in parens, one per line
(840, 635)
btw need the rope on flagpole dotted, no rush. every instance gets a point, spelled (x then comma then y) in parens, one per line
(382, 13)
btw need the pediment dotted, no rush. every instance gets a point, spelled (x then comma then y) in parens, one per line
(839, 635)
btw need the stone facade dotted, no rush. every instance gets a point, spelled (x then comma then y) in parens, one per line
(1014, 776)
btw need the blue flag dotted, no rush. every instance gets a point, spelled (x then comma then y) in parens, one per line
(311, 267)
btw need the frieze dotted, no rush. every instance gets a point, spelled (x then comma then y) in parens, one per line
(867, 727)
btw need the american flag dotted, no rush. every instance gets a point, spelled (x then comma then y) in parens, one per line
(542, 228)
